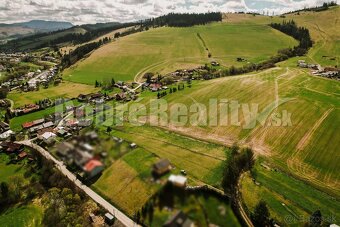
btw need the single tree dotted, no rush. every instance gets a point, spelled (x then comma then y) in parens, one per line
(261, 215)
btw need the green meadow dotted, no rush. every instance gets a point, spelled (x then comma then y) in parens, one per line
(164, 50)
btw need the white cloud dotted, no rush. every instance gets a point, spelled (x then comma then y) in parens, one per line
(91, 11)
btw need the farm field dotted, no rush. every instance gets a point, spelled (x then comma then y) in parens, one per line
(63, 90)
(290, 201)
(22, 216)
(164, 50)
(129, 178)
(312, 108)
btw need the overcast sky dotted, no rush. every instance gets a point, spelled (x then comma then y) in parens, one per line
(93, 11)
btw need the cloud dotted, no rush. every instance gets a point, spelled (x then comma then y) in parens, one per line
(94, 11)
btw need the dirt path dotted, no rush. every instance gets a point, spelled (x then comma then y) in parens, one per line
(307, 137)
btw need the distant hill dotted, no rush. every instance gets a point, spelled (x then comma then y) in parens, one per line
(16, 30)
(46, 26)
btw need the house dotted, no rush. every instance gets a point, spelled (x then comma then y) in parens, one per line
(162, 167)
(214, 63)
(109, 219)
(85, 122)
(93, 168)
(48, 137)
(92, 135)
(65, 149)
(178, 181)
(81, 158)
(62, 133)
(155, 87)
(4, 126)
(10, 147)
(120, 83)
(28, 125)
(98, 101)
(6, 135)
(179, 220)
(121, 96)
(133, 145)
(22, 155)
(82, 98)
(96, 96)
(48, 124)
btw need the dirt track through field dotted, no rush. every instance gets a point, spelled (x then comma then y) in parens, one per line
(305, 140)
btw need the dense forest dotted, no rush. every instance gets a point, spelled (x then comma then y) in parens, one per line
(183, 20)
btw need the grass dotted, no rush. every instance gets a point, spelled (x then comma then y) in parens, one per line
(130, 176)
(202, 161)
(22, 216)
(9, 170)
(17, 122)
(167, 49)
(64, 90)
(290, 200)
(311, 99)
(125, 182)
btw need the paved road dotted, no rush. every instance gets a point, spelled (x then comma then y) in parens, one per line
(97, 198)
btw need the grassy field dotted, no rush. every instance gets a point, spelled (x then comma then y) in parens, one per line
(312, 107)
(167, 49)
(127, 181)
(63, 90)
(23, 216)
(9, 170)
(290, 201)
(130, 176)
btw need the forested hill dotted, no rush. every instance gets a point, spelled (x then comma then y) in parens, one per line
(74, 35)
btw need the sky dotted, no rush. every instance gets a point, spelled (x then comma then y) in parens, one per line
(96, 11)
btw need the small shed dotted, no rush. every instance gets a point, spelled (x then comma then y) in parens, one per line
(109, 219)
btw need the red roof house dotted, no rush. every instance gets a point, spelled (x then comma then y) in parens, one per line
(93, 168)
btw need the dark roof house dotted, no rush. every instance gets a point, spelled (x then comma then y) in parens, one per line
(162, 167)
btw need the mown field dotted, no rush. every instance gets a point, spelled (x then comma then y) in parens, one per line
(299, 147)
(130, 176)
(167, 49)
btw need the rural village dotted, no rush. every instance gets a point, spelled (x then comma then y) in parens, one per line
(64, 153)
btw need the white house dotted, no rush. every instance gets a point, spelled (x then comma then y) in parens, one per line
(48, 137)
(177, 180)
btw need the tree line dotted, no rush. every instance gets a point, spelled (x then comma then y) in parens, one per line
(325, 6)
(77, 54)
(299, 33)
(183, 20)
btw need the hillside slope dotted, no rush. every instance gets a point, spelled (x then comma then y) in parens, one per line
(165, 49)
